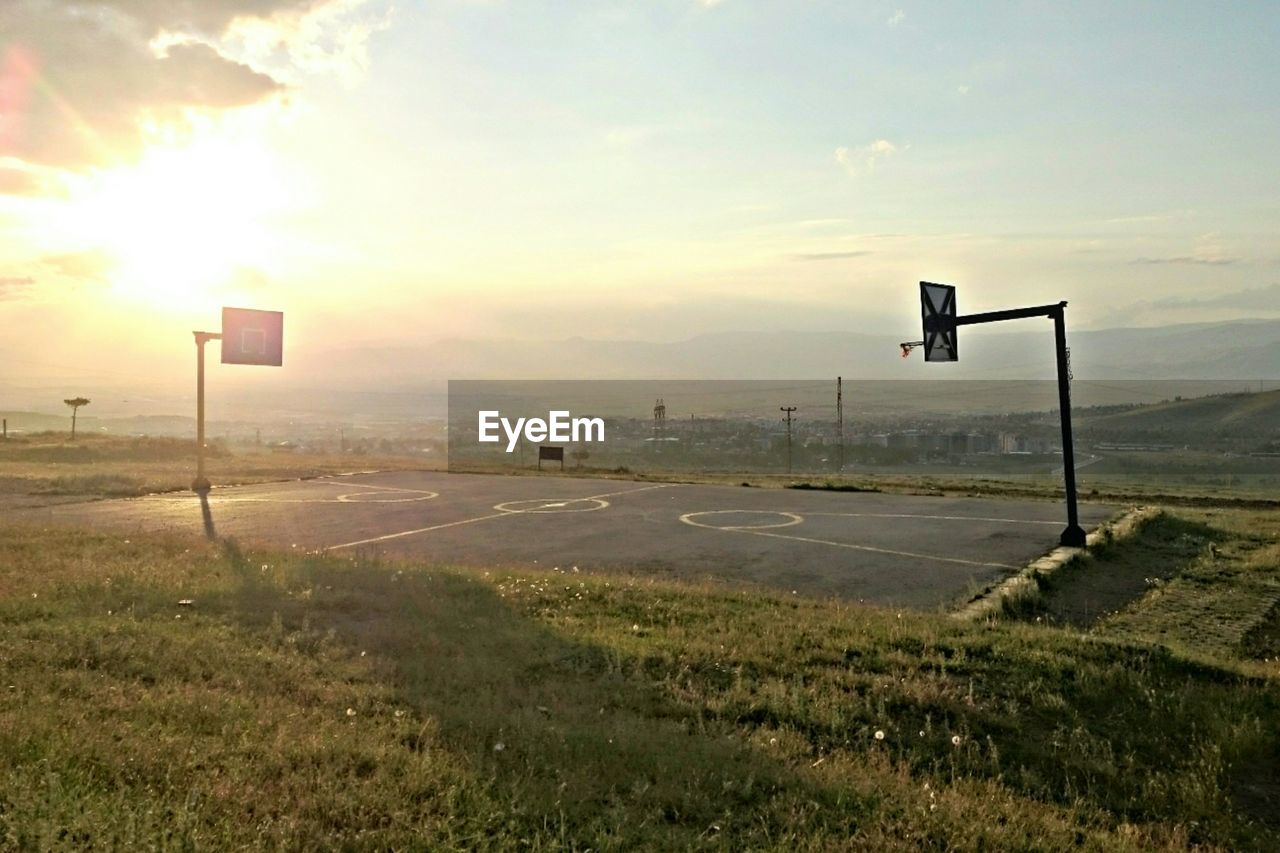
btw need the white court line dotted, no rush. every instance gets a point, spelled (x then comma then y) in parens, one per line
(347, 498)
(418, 495)
(935, 517)
(419, 530)
(541, 507)
(911, 554)
(373, 486)
(481, 518)
(628, 491)
(688, 517)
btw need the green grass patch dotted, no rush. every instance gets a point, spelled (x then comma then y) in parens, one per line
(1201, 581)
(1223, 591)
(1115, 574)
(306, 702)
(1263, 640)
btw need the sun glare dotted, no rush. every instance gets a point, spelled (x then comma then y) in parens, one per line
(181, 224)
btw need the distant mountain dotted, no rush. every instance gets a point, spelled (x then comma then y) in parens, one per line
(1235, 350)
(373, 383)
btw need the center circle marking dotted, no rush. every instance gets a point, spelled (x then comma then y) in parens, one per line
(385, 497)
(699, 519)
(553, 505)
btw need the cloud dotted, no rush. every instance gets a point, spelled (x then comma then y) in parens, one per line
(330, 37)
(630, 136)
(1252, 299)
(80, 80)
(1149, 217)
(87, 265)
(863, 159)
(828, 256)
(206, 17)
(250, 279)
(898, 17)
(1188, 259)
(11, 286)
(21, 182)
(963, 90)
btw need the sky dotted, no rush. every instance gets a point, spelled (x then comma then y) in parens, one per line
(411, 171)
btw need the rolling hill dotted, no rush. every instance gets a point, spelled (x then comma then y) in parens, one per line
(1240, 416)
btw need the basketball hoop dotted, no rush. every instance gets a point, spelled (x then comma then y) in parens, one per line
(908, 346)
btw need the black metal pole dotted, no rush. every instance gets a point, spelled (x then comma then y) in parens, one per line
(1073, 536)
(1011, 314)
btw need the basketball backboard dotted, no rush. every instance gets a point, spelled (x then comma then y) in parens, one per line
(252, 337)
(938, 313)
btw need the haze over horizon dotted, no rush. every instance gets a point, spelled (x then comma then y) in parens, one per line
(402, 173)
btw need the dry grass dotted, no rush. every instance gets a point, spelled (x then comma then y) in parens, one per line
(46, 466)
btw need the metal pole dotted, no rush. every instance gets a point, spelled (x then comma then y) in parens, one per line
(1073, 536)
(788, 410)
(201, 482)
(840, 419)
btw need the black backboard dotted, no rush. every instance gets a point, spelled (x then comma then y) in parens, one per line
(938, 313)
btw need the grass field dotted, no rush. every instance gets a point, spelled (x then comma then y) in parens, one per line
(48, 465)
(302, 701)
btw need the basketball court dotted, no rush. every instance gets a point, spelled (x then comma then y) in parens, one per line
(890, 549)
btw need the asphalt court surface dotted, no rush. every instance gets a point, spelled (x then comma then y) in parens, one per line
(891, 549)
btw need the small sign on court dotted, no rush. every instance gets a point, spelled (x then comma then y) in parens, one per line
(551, 454)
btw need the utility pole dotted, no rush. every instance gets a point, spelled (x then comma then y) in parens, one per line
(840, 422)
(788, 410)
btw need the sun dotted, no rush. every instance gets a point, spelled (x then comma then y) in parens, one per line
(181, 223)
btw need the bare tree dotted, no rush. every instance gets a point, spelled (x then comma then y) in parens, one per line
(75, 403)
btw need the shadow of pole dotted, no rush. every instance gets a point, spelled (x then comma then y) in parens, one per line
(206, 514)
(556, 728)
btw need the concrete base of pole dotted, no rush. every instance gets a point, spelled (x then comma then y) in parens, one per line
(1073, 537)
